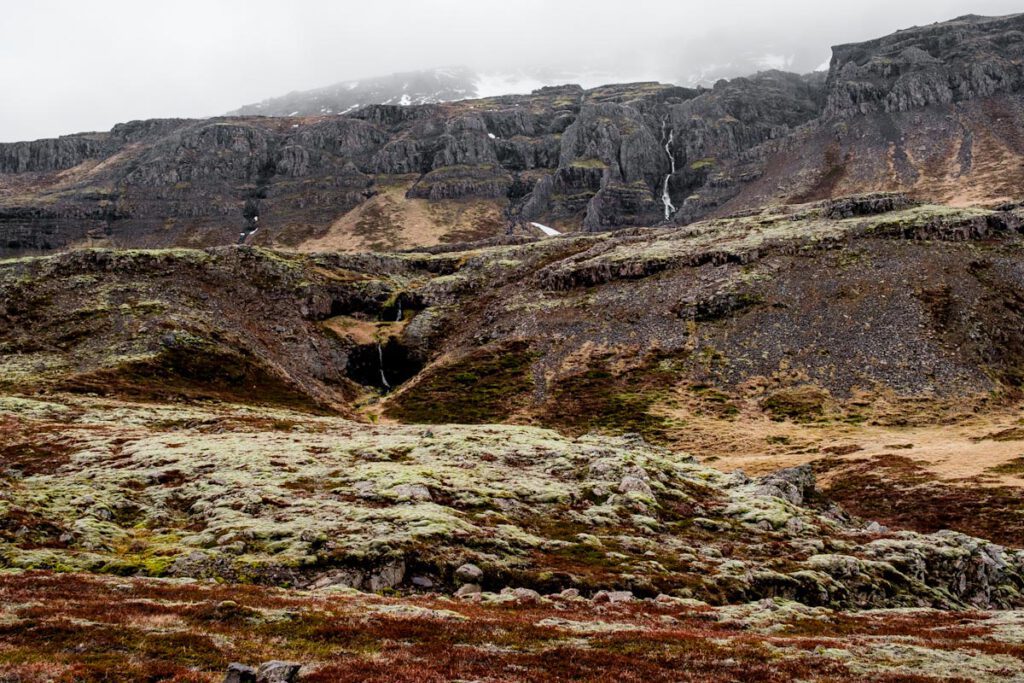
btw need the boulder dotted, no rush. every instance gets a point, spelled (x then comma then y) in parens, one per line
(240, 673)
(277, 672)
(469, 573)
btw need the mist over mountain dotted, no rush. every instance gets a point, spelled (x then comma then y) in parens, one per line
(78, 66)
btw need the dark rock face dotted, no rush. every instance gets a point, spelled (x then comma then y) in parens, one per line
(934, 112)
(967, 58)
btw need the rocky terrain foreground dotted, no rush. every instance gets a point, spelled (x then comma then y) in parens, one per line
(783, 444)
(520, 555)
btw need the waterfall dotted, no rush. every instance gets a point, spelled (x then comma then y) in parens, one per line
(398, 318)
(666, 198)
(383, 379)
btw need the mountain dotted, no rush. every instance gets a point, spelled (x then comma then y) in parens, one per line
(934, 112)
(417, 87)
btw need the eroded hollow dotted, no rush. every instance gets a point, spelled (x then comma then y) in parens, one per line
(383, 366)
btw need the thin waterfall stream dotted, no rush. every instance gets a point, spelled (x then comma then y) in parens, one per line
(666, 197)
(383, 378)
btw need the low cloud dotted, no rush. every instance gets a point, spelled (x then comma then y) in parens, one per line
(68, 66)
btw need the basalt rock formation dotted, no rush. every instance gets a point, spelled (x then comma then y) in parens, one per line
(935, 112)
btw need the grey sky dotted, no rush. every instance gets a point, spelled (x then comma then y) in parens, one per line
(75, 65)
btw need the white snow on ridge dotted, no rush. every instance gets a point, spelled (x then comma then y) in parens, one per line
(550, 232)
(405, 101)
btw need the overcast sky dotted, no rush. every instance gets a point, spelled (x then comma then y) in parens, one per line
(77, 65)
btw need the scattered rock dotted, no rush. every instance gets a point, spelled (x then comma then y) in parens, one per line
(468, 589)
(614, 596)
(240, 673)
(412, 492)
(469, 573)
(422, 582)
(633, 484)
(277, 672)
(522, 594)
(794, 484)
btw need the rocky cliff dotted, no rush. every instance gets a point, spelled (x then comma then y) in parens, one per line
(934, 111)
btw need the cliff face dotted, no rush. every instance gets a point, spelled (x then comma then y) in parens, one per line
(936, 112)
(968, 58)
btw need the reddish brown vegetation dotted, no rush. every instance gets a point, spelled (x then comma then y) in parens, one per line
(86, 628)
(897, 492)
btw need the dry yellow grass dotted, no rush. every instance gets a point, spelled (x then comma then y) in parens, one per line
(949, 452)
(390, 221)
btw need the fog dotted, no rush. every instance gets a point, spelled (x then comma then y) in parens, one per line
(78, 65)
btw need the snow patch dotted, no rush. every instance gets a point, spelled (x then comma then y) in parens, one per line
(550, 232)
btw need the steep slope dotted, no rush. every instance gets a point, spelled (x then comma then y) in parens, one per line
(753, 306)
(935, 112)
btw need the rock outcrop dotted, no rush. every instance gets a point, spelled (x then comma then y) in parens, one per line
(968, 58)
(933, 111)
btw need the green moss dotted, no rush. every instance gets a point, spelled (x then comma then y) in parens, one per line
(485, 386)
(588, 163)
(616, 403)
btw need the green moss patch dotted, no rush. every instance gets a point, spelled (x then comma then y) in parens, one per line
(486, 386)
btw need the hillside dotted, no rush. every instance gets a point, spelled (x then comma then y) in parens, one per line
(934, 112)
(637, 382)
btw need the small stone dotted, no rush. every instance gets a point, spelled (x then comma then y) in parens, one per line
(876, 528)
(525, 594)
(634, 485)
(469, 573)
(412, 492)
(569, 594)
(613, 596)
(277, 672)
(467, 590)
(422, 582)
(738, 478)
(240, 673)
